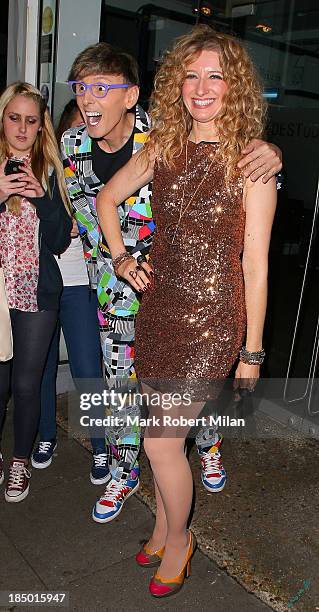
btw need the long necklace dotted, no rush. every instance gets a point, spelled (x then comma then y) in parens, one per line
(171, 230)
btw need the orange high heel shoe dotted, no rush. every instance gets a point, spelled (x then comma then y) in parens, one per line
(149, 558)
(164, 587)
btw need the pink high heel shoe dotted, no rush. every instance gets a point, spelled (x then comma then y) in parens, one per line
(149, 558)
(164, 587)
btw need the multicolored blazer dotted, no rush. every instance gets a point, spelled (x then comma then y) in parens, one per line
(135, 216)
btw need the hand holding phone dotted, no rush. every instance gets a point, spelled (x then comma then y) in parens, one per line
(33, 188)
(13, 166)
(11, 182)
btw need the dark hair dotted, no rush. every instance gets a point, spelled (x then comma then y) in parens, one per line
(103, 58)
(66, 118)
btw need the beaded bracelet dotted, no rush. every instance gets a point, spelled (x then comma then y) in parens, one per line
(252, 358)
(119, 259)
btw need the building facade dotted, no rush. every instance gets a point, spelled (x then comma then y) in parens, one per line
(283, 39)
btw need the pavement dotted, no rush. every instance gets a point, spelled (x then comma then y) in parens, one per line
(49, 543)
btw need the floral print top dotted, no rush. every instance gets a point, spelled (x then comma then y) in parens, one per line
(19, 254)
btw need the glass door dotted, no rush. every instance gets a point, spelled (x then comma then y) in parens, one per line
(283, 38)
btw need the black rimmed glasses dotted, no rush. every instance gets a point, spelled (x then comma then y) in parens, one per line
(98, 90)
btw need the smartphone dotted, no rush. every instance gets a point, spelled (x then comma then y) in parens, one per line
(13, 166)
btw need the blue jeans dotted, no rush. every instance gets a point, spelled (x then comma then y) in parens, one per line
(79, 322)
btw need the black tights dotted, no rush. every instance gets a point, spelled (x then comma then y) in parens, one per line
(32, 334)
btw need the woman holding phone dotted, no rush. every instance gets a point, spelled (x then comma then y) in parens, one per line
(35, 224)
(78, 311)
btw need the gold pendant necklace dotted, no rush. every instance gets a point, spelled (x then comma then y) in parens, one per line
(170, 232)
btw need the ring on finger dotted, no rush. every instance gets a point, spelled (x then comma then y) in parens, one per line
(133, 274)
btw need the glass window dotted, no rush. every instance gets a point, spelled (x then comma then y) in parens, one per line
(283, 39)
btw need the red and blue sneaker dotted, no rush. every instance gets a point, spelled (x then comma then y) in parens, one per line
(109, 506)
(213, 473)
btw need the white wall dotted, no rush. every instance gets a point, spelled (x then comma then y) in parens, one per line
(22, 62)
(78, 27)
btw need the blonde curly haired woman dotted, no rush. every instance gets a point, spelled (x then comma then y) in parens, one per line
(35, 224)
(209, 258)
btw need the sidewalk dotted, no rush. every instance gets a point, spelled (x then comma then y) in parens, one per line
(263, 528)
(49, 542)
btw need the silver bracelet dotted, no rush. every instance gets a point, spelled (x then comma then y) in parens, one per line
(252, 358)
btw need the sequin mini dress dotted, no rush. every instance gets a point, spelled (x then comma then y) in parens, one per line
(192, 325)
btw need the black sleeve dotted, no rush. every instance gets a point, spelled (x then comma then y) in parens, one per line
(55, 223)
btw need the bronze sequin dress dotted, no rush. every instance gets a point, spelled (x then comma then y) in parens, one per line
(192, 325)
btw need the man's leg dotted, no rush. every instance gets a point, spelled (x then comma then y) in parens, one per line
(124, 440)
(117, 340)
(208, 442)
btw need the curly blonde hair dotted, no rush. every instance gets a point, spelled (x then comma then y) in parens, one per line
(45, 152)
(242, 114)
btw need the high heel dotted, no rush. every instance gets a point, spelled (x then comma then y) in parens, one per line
(164, 587)
(149, 558)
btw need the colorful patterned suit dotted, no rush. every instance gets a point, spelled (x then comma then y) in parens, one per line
(118, 302)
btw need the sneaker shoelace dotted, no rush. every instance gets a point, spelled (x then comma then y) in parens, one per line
(212, 463)
(17, 473)
(44, 447)
(100, 460)
(114, 492)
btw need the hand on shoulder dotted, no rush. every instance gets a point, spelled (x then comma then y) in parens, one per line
(261, 160)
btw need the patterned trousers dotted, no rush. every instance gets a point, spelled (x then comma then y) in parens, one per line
(117, 341)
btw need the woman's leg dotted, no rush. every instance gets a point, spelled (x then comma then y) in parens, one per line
(47, 425)
(32, 334)
(5, 371)
(165, 448)
(175, 483)
(78, 316)
(81, 331)
(159, 535)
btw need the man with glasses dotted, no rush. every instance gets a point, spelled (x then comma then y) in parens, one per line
(105, 83)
